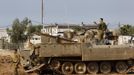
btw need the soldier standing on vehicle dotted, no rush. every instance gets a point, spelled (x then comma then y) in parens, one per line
(102, 27)
(16, 61)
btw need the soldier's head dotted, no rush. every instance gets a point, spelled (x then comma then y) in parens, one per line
(15, 50)
(101, 19)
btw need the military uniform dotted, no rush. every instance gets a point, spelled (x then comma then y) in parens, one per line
(16, 62)
(102, 27)
(34, 54)
(100, 35)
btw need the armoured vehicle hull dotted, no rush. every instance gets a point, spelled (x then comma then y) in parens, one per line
(83, 58)
(70, 57)
(87, 52)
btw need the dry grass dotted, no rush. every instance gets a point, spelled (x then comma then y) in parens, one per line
(7, 67)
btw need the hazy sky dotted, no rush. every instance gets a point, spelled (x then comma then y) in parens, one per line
(68, 11)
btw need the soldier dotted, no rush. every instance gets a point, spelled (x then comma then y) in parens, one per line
(16, 61)
(102, 27)
(34, 54)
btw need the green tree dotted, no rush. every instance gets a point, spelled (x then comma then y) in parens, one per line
(34, 29)
(17, 32)
(21, 31)
(127, 30)
(38, 28)
(9, 31)
(25, 22)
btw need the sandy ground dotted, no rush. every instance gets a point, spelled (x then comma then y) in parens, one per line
(6, 65)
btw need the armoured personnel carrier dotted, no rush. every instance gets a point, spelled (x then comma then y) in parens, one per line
(70, 57)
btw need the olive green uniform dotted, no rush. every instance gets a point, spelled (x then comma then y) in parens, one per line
(102, 27)
(16, 63)
(34, 54)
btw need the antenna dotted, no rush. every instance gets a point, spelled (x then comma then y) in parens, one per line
(42, 11)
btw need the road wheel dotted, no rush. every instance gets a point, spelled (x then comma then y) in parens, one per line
(92, 68)
(105, 67)
(55, 64)
(67, 68)
(121, 67)
(80, 68)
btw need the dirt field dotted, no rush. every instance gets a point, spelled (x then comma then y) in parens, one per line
(6, 65)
